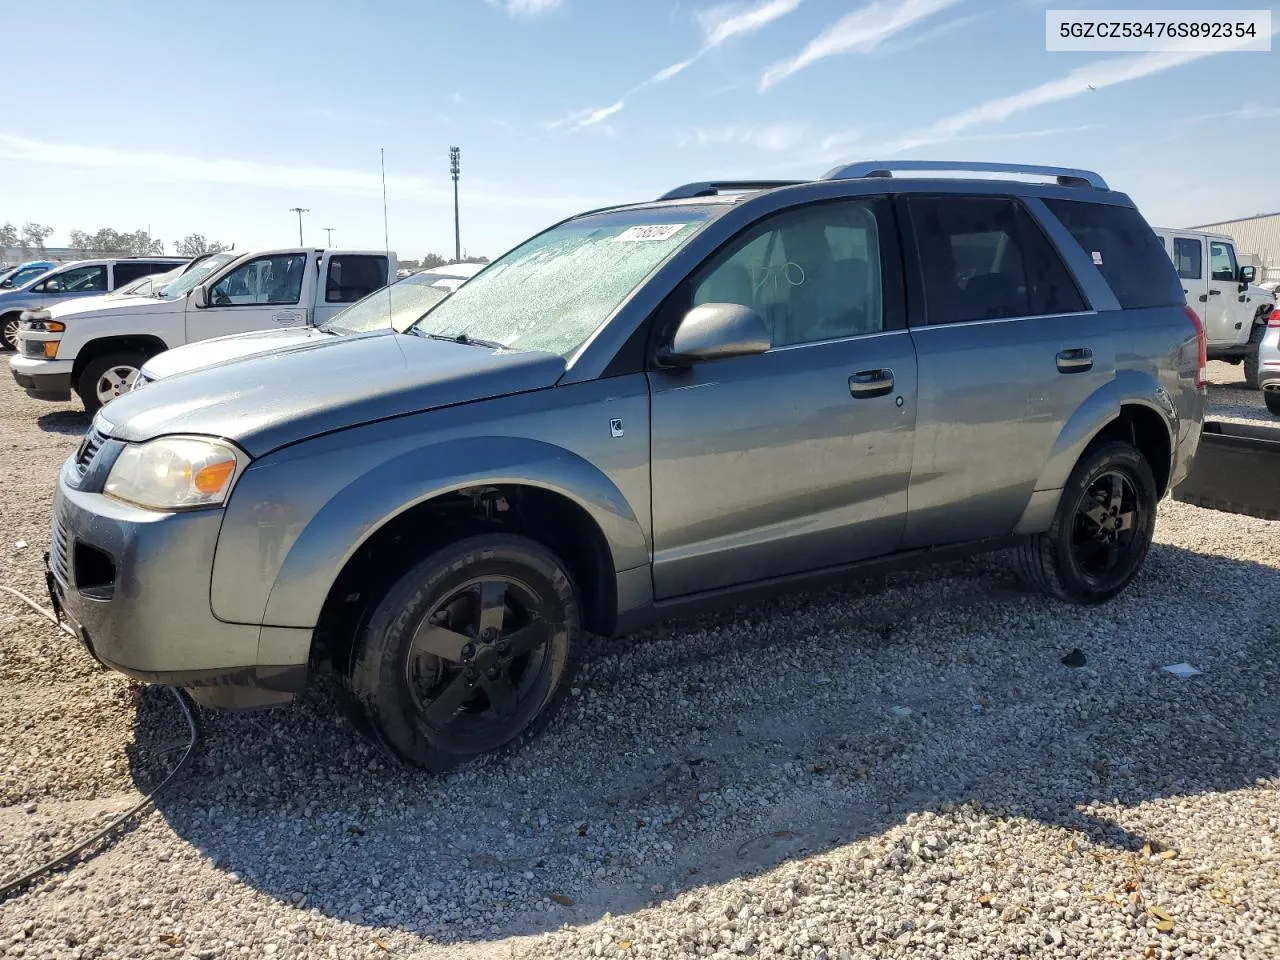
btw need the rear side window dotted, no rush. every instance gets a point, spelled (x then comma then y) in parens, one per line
(1125, 250)
(129, 272)
(353, 277)
(985, 258)
(1188, 257)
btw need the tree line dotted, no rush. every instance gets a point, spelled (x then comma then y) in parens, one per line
(433, 260)
(30, 239)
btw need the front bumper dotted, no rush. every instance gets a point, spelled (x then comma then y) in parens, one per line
(135, 585)
(42, 379)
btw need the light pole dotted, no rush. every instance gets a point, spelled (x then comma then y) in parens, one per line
(329, 232)
(299, 211)
(455, 167)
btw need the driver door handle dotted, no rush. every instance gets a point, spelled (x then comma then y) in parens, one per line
(871, 383)
(1075, 360)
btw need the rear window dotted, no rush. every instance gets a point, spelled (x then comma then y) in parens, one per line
(1125, 249)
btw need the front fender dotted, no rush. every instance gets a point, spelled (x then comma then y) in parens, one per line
(1103, 406)
(293, 525)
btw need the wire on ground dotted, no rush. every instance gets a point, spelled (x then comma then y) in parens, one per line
(22, 881)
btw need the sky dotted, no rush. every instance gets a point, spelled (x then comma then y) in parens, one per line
(216, 118)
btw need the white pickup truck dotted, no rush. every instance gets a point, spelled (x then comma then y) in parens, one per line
(96, 349)
(1234, 311)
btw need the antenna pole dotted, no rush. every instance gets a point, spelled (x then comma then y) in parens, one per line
(386, 235)
(455, 168)
(299, 211)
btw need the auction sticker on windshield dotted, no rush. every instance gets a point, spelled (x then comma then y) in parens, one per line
(650, 231)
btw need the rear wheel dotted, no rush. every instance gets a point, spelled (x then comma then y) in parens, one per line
(9, 331)
(107, 377)
(1102, 531)
(468, 651)
(1251, 355)
(1272, 400)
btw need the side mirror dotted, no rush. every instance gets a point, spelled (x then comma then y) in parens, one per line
(716, 331)
(199, 295)
(1248, 274)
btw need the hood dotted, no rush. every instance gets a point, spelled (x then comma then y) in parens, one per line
(1261, 293)
(98, 306)
(236, 346)
(266, 401)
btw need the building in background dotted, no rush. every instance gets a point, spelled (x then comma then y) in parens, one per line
(1257, 241)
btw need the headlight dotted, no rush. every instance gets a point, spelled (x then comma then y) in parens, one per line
(175, 473)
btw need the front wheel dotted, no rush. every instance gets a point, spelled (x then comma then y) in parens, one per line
(9, 332)
(1102, 530)
(471, 649)
(1251, 355)
(107, 377)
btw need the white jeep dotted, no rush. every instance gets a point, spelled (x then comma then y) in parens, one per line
(1233, 310)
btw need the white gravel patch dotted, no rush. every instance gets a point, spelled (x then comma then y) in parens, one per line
(1231, 401)
(899, 768)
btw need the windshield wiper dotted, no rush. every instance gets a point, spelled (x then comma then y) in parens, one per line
(464, 338)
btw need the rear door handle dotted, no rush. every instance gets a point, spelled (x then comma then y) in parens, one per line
(1215, 293)
(870, 383)
(1075, 360)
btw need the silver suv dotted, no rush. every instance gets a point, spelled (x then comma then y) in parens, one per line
(735, 388)
(69, 281)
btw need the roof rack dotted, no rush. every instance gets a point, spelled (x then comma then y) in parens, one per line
(1065, 176)
(709, 188)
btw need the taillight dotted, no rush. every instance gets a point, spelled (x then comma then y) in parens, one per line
(1274, 319)
(1202, 348)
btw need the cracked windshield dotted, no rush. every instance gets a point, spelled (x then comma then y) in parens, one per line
(552, 292)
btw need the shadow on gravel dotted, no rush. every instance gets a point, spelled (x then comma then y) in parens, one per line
(71, 423)
(698, 752)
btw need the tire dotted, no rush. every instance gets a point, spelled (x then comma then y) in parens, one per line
(1251, 355)
(1272, 399)
(122, 367)
(411, 684)
(1067, 562)
(9, 331)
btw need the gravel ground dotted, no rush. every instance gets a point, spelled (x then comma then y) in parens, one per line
(901, 768)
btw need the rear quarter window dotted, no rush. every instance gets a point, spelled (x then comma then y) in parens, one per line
(1126, 251)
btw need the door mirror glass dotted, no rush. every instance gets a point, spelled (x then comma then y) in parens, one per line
(1248, 274)
(716, 331)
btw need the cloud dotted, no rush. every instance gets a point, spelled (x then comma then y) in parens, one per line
(1084, 79)
(587, 117)
(152, 166)
(858, 32)
(728, 21)
(718, 25)
(769, 137)
(527, 8)
(722, 23)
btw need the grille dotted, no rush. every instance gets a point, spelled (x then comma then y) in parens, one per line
(88, 450)
(59, 549)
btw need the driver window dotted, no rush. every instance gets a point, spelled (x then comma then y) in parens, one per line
(266, 281)
(812, 274)
(77, 280)
(1222, 262)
